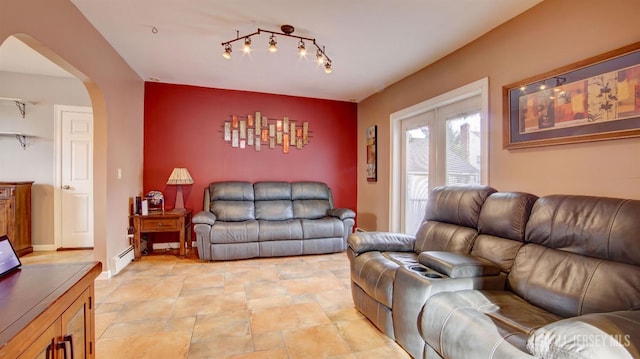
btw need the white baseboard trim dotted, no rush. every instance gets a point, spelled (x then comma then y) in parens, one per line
(104, 275)
(44, 247)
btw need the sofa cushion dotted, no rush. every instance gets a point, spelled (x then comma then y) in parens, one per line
(233, 211)
(491, 324)
(501, 227)
(458, 205)
(274, 210)
(569, 284)
(231, 191)
(234, 232)
(310, 190)
(322, 228)
(605, 228)
(232, 201)
(280, 230)
(310, 208)
(505, 214)
(451, 218)
(268, 191)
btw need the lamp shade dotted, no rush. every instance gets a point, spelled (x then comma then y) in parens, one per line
(180, 176)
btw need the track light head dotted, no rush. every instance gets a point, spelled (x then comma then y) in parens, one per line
(327, 67)
(319, 57)
(247, 45)
(273, 44)
(227, 51)
(302, 50)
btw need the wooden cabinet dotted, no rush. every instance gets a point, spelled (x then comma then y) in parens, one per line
(47, 311)
(15, 215)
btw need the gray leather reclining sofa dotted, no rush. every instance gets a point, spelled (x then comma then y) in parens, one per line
(506, 275)
(266, 219)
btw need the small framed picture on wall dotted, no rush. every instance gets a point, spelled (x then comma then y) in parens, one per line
(372, 157)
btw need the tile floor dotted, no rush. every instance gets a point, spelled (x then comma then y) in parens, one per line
(293, 307)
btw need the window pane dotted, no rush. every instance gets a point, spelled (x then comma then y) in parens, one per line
(463, 149)
(417, 176)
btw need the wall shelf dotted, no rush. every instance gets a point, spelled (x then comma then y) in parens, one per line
(19, 103)
(21, 137)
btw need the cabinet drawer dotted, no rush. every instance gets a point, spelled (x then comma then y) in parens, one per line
(5, 192)
(160, 224)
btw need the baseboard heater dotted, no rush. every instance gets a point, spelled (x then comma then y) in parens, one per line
(121, 260)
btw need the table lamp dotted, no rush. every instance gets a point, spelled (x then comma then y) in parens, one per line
(178, 177)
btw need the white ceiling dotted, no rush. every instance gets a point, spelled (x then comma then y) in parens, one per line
(372, 43)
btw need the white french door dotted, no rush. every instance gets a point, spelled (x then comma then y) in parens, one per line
(443, 143)
(417, 141)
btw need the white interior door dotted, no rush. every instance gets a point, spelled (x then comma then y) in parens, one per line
(75, 185)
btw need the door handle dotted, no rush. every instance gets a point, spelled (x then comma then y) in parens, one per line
(66, 187)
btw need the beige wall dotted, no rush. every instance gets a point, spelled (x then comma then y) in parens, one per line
(551, 35)
(58, 30)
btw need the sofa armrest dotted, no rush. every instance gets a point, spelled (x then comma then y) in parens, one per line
(597, 335)
(360, 242)
(341, 213)
(458, 265)
(204, 218)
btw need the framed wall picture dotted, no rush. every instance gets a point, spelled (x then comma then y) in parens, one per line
(596, 99)
(372, 156)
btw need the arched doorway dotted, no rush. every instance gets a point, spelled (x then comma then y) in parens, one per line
(30, 71)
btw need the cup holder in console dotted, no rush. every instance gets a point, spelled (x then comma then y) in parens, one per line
(425, 272)
(432, 275)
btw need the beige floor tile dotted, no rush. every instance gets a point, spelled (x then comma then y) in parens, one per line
(268, 341)
(220, 347)
(317, 284)
(145, 310)
(361, 335)
(319, 341)
(174, 345)
(223, 303)
(287, 317)
(279, 353)
(126, 329)
(345, 314)
(103, 320)
(392, 351)
(264, 289)
(227, 325)
(269, 302)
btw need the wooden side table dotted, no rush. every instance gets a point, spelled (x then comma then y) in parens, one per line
(171, 221)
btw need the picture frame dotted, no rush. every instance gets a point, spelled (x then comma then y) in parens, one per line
(592, 100)
(372, 155)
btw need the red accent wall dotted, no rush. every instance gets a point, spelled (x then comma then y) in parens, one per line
(183, 127)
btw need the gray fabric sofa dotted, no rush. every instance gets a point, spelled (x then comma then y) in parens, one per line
(266, 219)
(550, 277)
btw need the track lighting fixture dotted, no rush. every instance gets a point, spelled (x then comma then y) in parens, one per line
(287, 30)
